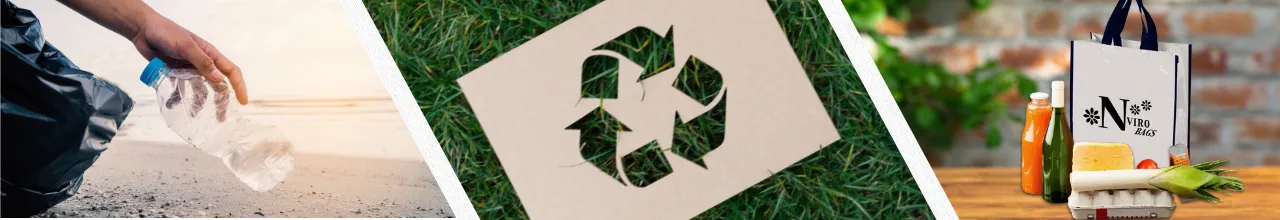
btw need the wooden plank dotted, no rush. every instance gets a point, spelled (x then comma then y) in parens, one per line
(995, 193)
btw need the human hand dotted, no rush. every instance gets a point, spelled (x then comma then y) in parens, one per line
(159, 37)
(188, 84)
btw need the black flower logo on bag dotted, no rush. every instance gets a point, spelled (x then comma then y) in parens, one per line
(1091, 116)
(1124, 116)
(1146, 105)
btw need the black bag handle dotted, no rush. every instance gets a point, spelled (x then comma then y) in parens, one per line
(1115, 25)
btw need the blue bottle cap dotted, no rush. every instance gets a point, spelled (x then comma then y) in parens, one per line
(152, 73)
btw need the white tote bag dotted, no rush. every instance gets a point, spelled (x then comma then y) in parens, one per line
(1128, 92)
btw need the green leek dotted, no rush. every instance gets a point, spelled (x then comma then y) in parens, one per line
(1186, 181)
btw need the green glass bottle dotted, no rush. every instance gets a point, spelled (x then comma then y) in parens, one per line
(1057, 149)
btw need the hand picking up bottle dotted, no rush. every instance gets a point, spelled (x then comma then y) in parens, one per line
(259, 155)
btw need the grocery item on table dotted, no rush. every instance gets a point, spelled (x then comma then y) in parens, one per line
(1121, 204)
(1037, 121)
(1147, 164)
(1057, 149)
(1096, 156)
(1179, 155)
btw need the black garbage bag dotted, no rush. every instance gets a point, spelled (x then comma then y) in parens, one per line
(56, 119)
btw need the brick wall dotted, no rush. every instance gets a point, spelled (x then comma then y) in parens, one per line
(1235, 63)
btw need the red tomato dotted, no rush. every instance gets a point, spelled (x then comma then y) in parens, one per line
(1147, 164)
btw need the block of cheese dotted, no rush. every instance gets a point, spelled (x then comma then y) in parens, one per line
(1095, 156)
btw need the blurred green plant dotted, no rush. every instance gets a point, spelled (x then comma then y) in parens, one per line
(869, 13)
(937, 103)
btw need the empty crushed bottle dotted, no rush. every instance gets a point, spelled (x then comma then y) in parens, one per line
(201, 112)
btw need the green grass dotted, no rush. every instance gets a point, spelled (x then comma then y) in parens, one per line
(861, 176)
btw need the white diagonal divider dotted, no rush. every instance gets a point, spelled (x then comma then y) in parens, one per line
(888, 109)
(408, 108)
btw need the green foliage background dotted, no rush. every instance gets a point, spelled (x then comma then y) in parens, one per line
(861, 176)
(936, 102)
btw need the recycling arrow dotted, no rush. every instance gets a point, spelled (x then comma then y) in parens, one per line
(656, 53)
(698, 80)
(598, 138)
(694, 139)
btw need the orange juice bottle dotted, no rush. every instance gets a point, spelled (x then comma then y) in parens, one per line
(1178, 155)
(1038, 112)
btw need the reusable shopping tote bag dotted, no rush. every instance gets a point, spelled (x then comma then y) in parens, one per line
(1124, 94)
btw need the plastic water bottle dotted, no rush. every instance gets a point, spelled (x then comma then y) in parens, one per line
(259, 155)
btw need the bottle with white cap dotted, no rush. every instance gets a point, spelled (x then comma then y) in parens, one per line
(1037, 120)
(1057, 149)
(259, 155)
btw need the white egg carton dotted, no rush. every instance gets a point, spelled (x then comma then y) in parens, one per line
(1121, 204)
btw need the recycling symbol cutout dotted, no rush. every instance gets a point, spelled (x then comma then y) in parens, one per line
(633, 106)
(694, 138)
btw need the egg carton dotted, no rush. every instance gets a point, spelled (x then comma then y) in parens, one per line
(1121, 204)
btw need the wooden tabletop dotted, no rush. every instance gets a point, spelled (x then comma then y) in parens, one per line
(995, 193)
